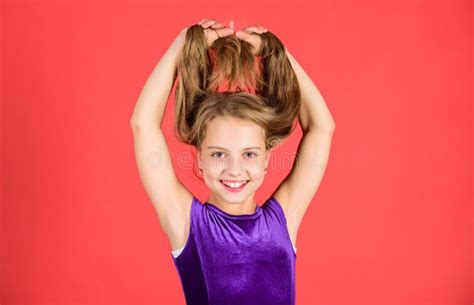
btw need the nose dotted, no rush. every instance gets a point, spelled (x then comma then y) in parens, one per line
(234, 166)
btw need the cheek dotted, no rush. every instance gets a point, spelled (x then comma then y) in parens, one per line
(210, 181)
(258, 175)
(257, 165)
(214, 168)
(212, 174)
(256, 170)
(213, 164)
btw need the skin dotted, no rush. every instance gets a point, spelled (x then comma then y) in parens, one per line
(233, 162)
(172, 200)
(214, 29)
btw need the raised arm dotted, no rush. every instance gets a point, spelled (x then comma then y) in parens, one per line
(297, 190)
(314, 114)
(171, 200)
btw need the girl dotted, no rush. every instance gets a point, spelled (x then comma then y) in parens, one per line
(229, 249)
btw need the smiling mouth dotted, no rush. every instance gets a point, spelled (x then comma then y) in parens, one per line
(234, 185)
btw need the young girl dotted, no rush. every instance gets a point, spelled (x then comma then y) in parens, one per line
(229, 249)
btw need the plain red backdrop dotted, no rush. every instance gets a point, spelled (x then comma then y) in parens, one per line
(390, 224)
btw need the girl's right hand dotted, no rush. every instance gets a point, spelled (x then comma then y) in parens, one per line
(214, 30)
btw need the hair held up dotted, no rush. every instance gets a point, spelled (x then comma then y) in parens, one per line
(264, 87)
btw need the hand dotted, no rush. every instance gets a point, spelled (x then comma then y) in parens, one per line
(249, 35)
(214, 30)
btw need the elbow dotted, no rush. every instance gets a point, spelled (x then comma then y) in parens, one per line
(326, 128)
(137, 125)
(133, 124)
(330, 126)
(329, 130)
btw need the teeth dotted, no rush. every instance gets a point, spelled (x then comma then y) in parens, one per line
(234, 184)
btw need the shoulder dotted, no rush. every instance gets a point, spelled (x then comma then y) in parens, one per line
(273, 204)
(177, 225)
(282, 202)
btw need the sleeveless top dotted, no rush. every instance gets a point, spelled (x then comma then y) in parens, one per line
(237, 259)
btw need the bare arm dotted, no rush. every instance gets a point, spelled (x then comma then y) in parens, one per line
(314, 113)
(297, 190)
(171, 200)
(152, 100)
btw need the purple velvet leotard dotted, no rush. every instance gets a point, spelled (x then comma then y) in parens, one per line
(237, 259)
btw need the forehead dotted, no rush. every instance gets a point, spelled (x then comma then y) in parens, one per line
(233, 133)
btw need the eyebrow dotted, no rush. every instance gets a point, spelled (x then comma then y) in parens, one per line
(218, 147)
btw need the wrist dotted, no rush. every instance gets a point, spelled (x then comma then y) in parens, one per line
(177, 44)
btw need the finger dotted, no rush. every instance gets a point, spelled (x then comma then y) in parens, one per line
(260, 30)
(202, 21)
(217, 25)
(254, 29)
(224, 32)
(212, 34)
(231, 24)
(208, 23)
(245, 36)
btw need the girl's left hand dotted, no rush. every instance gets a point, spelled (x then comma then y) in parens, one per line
(251, 35)
(214, 30)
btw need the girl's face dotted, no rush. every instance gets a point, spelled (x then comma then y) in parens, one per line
(233, 152)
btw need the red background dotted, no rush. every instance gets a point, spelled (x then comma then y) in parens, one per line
(390, 224)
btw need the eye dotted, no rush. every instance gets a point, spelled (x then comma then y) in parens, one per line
(214, 154)
(251, 153)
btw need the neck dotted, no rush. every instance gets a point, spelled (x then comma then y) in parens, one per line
(248, 206)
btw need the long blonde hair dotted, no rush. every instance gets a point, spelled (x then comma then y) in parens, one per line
(276, 101)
